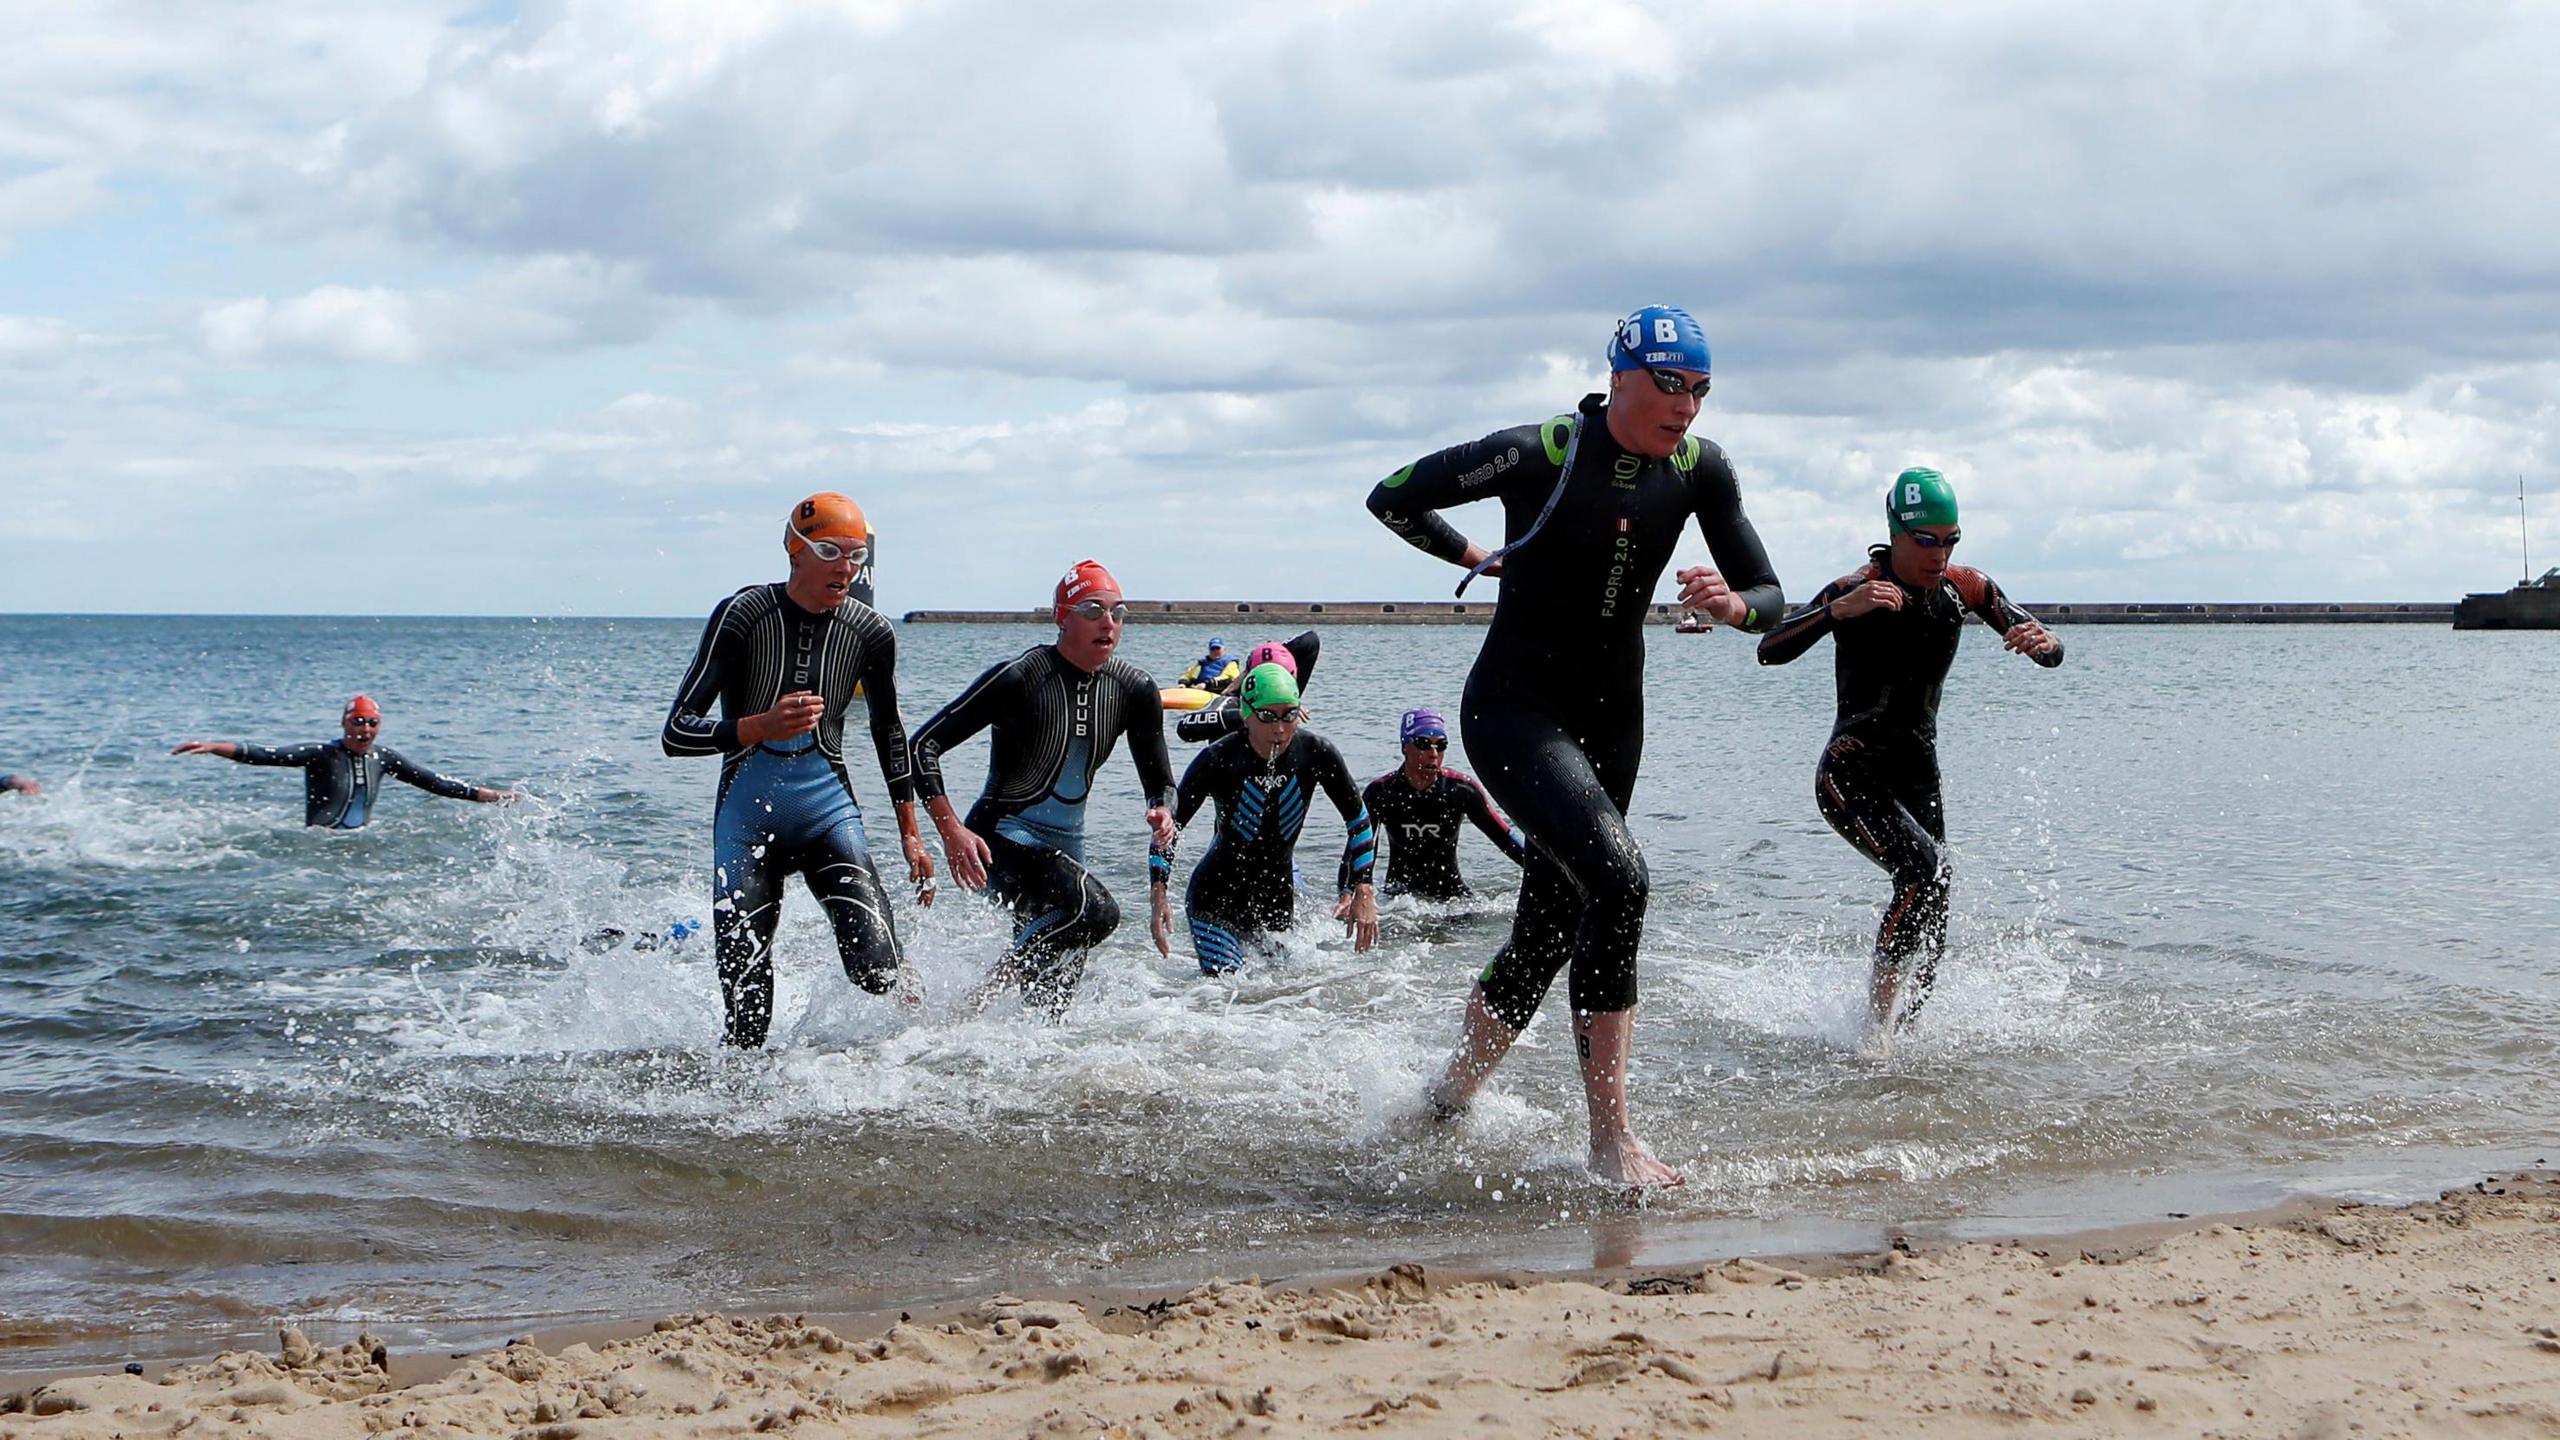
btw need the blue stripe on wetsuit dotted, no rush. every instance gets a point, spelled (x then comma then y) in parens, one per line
(791, 802)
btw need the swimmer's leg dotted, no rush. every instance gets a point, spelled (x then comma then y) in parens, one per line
(747, 902)
(846, 883)
(1507, 994)
(1912, 936)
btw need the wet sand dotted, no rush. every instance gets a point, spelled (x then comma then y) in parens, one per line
(2441, 1318)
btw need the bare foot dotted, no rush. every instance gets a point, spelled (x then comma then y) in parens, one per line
(1876, 1043)
(1443, 1107)
(1623, 1160)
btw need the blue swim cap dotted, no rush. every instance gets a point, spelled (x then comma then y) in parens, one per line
(1421, 724)
(1659, 337)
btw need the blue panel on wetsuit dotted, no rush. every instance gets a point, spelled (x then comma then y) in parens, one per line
(1057, 818)
(791, 800)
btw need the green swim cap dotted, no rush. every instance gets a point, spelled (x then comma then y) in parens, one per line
(1920, 496)
(1265, 686)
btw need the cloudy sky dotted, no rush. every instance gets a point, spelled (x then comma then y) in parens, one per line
(554, 308)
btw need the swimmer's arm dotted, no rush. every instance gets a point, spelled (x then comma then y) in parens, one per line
(1405, 501)
(1219, 718)
(1798, 632)
(689, 729)
(295, 756)
(1360, 834)
(1304, 647)
(1740, 557)
(1144, 726)
(973, 710)
(1489, 820)
(888, 728)
(2004, 615)
(400, 767)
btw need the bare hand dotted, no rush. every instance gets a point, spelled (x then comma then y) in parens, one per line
(200, 747)
(968, 853)
(1876, 594)
(1359, 911)
(792, 716)
(1160, 821)
(1703, 592)
(2029, 638)
(1160, 921)
(919, 868)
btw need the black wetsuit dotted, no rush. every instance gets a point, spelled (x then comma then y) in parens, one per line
(339, 786)
(1877, 782)
(1554, 709)
(788, 805)
(1421, 827)
(1225, 715)
(1244, 886)
(1054, 727)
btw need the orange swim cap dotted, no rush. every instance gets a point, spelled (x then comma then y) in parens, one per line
(824, 516)
(1086, 580)
(361, 708)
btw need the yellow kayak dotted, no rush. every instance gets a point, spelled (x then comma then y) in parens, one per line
(1185, 697)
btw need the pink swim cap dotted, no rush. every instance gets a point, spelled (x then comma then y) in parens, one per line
(1272, 652)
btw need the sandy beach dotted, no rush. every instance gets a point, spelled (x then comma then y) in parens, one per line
(2440, 1318)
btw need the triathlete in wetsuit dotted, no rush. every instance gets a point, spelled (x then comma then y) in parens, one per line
(1593, 503)
(1421, 804)
(1244, 886)
(781, 661)
(1895, 623)
(1223, 716)
(342, 777)
(1056, 711)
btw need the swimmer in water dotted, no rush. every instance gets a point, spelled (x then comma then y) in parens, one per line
(341, 778)
(1422, 804)
(780, 663)
(1054, 712)
(1894, 624)
(1245, 886)
(1593, 503)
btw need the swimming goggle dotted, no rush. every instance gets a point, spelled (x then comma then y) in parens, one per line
(828, 551)
(1670, 383)
(367, 721)
(1280, 714)
(1095, 610)
(1927, 541)
(1429, 742)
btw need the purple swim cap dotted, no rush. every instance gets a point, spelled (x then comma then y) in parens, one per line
(1421, 724)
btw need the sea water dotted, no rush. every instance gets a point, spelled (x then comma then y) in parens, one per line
(2239, 912)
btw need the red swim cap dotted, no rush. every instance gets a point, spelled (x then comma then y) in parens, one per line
(1272, 652)
(361, 708)
(1087, 580)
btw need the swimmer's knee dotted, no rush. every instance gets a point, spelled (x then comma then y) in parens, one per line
(1101, 914)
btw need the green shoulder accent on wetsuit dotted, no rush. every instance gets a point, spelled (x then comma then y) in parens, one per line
(1401, 476)
(1557, 433)
(1685, 459)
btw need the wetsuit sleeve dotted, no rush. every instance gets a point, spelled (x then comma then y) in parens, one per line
(293, 755)
(1480, 469)
(1479, 808)
(1304, 647)
(690, 730)
(1998, 611)
(888, 728)
(1198, 780)
(400, 767)
(1146, 741)
(1798, 632)
(1740, 557)
(973, 710)
(1360, 837)
(1214, 721)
